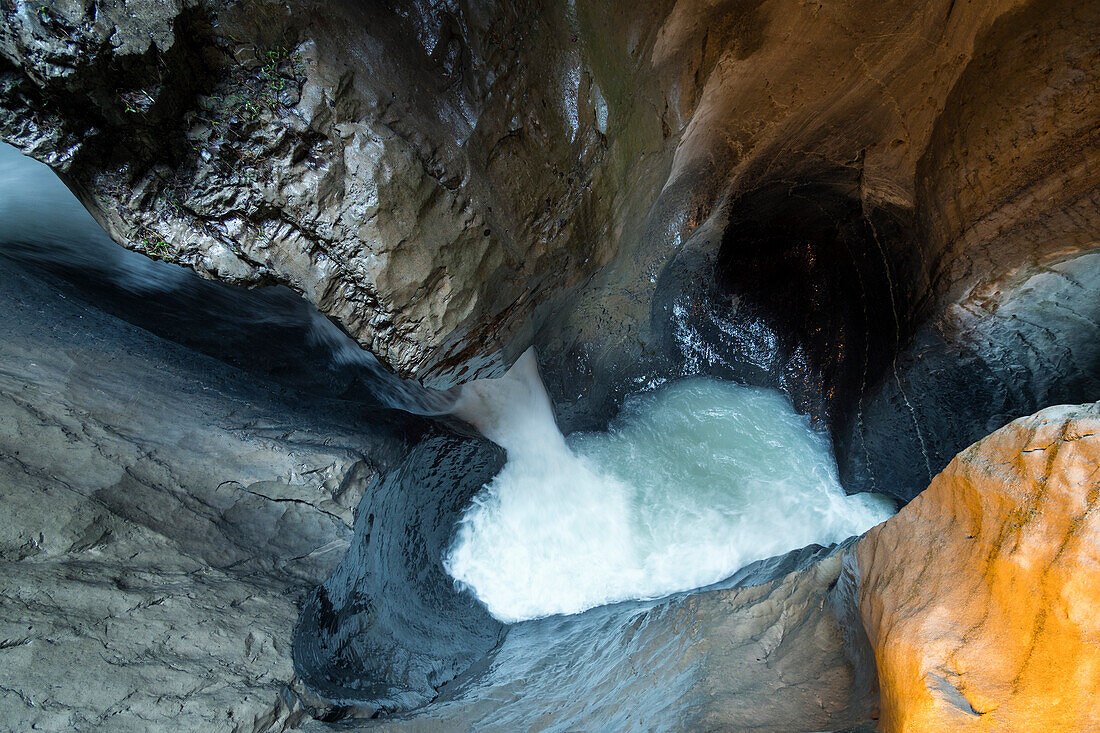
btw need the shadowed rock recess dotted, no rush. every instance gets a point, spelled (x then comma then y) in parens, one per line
(213, 516)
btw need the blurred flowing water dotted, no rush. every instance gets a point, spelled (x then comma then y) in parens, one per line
(271, 332)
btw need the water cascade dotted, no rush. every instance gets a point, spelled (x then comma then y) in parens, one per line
(691, 482)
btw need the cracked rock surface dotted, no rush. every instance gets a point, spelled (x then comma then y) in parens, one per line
(163, 517)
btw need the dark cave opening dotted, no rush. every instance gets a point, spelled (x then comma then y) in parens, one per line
(810, 289)
(809, 258)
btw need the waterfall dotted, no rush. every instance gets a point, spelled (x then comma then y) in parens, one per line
(692, 482)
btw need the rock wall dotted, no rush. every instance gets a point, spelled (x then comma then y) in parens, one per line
(614, 182)
(431, 174)
(979, 596)
(167, 515)
(164, 516)
(418, 171)
(1008, 194)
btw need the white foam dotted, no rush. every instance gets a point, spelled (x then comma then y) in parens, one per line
(693, 481)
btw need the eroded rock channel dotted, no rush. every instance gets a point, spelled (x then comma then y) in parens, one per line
(461, 343)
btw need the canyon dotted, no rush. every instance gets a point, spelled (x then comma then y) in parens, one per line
(237, 457)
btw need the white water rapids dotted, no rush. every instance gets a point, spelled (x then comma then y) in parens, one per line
(692, 482)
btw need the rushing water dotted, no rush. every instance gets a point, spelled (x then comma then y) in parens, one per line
(269, 331)
(692, 482)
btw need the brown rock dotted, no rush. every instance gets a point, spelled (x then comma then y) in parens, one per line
(979, 597)
(452, 183)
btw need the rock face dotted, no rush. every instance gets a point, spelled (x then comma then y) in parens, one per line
(164, 516)
(830, 200)
(979, 597)
(1008, 192)
(767, 657)
(409, 167)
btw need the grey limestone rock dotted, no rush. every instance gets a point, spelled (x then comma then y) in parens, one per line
(163, 515)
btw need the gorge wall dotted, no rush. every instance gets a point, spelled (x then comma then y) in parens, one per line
(453, 183)
(887, 210)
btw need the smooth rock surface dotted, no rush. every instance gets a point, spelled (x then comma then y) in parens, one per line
(980, 596)
(762, 658)
(163, 517)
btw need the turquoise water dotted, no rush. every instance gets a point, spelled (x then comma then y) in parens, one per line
(692, 482)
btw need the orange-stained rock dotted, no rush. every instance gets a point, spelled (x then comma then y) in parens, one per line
(981, 598)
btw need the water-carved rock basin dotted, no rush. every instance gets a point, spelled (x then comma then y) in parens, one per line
(460, 546)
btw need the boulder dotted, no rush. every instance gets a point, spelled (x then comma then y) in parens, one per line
(980, 596)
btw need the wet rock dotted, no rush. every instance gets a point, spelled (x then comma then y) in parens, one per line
(769, 656)
(886, 288)
(1032, 341)
(1008, 210)
(389, 627)
(164, 516)
(454, 183)
(979, 596)
(407, 168)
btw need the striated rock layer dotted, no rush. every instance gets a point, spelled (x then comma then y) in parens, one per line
(980, 596)
(163, 517)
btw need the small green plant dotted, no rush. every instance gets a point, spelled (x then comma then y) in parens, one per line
(261, 90)
(155, 245)
(136, 102)
(174, 204)
(255, 93)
